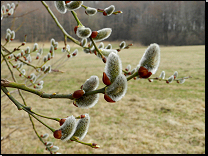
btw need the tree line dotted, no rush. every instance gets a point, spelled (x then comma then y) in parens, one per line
(162, 22)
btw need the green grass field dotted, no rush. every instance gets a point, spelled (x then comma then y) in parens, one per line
(152, 117)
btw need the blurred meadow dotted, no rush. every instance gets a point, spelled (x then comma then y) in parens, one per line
(153, 117)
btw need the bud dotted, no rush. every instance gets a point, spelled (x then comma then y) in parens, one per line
(181, 81)
(57, 134)
(170, 79)
(60, 6)
(86, 50)
(48, 69)
(48, 56)
(118, 88)
(48, 144)
(61, 122)
(35, 47)
(52, 41)
(83, 32)
(51, 50)
(106, 80)
(54, 148)
(3, 8)
(45, 136)
(103, 34)
(8, 6)
(13, 5)
(55, 45)
(12, 35)
(94, 145)
(73, 5)
(83, 42)
(106, 52)
(86, 101)
(151, 59)
(162, 75)
(23, 72)
(128, 68)
(45, 59)
(108, 99)
(27, 51)
(143, 73)
(91, 84)
(91, 11)
(104, 59)
(109, 10)
(78, 93)
(68, 128)
(113, 67)
(122, 45)
(37, 56)
(18, 55)
(94, 34)
(109, 46)
(11, 11)
(8, 37)
(82, 127)
(75, 53)
(43, 68)
(175, 74)
(40, 83)
(20, 64)
(101, 45)
(40, 51)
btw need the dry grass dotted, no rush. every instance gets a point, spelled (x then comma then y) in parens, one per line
(152, 118)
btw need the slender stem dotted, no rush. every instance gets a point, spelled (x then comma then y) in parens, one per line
(84, 143)
(76, 18)
(56, 119)
(132, 76)
(38, 134)
(19, 106)
(59, 25)
(96, 46)
(45, 95)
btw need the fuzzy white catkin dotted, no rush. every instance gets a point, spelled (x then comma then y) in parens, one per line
(151, 58)
(103, 34)
(106, 52)
(87, 101)
(91, 83)
(91, 11)
(83, 32)
(113, 66)
(73, 5)
(118, 88)
(82, 127)
(68, 128)
(162, 75)
(60, 6)
(109, 10)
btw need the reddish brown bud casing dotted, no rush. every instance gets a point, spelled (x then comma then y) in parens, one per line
(104, 59)
(67, 2)
(106, 80)
(75, 29)
(61, 122)
(108, 99)
(104, 13)
(143, 73)
(57, 134)
(78, 94)
(82, 116)
(94, 34)
(74, 104)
